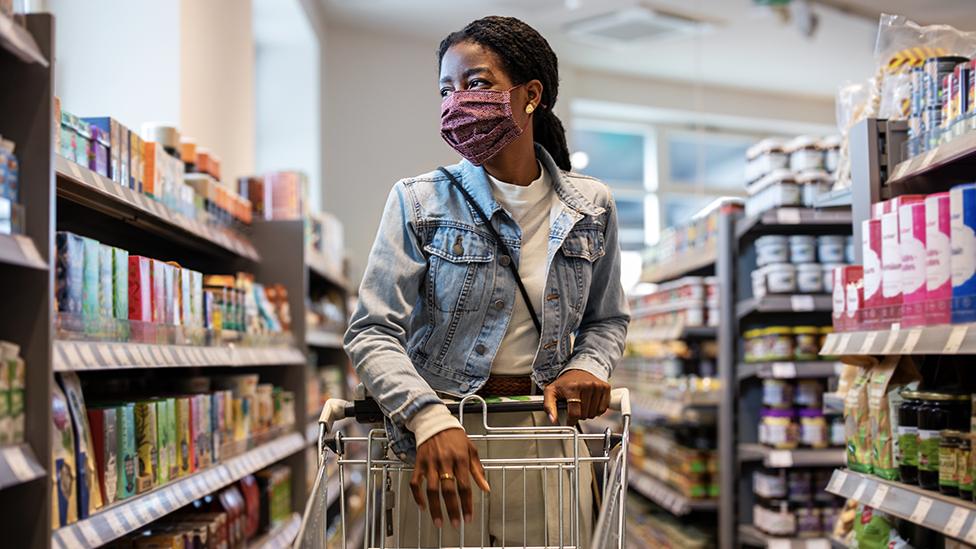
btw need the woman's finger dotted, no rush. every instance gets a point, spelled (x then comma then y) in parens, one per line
(434, 496)
(549, 402)
(416, 482)
(478, 470)
(449, 491)
(462, 472)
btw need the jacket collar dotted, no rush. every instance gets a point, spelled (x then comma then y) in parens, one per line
(475, 180)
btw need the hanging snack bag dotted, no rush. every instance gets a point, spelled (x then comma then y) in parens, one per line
(857, 423)
(883, 401)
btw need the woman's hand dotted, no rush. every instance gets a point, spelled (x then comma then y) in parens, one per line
(448, 461)
(586, 396)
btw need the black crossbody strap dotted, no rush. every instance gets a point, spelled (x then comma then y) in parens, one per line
(501, 246)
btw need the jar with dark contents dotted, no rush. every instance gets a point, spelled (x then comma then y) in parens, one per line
(799, 484)
(907, 433)
(949, 462)
(962, 466)
(933, 417)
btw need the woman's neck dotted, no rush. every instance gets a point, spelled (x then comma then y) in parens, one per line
(516, 163)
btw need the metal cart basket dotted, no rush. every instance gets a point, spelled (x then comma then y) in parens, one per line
(368, 519)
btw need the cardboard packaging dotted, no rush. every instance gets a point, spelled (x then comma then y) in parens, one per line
(871, 255)
(938, 265)
(140, 289)
(69, 273)
(911, 242)
(128, 451)
(103, 423)
(962, 220)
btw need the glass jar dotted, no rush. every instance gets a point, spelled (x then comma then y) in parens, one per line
(769, 484)
(933, 417)
(806, 342)
(949, 462)
(779, 343)
(808, 522)
(799, 484)
(907, 433)
(754, 345)
(813, 428)
(962, 466)
(838, 437)
(808, 394)
(777, 393)
(779, 429)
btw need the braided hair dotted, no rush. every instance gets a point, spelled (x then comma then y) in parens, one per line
(526, 56)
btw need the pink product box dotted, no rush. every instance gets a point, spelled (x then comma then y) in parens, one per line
(890, 270)
(853, 279)
(871, 254)
(839, 299)
(911, 243)
(938, 265)
(878, 209)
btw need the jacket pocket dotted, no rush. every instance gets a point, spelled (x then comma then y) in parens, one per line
(460, 267)
(582, 247)
(585, 243)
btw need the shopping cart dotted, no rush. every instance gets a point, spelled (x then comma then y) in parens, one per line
(367, 458)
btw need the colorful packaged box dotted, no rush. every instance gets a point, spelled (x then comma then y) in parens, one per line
(69, 273)
(106, 275)
(196, 299)
(146, 444)
(117, 170)
(165, 442)
(16, 381)
(838, 302)
(174, 290)
(90, 278)
(135, 159)
(174, 465)
(217, 414)
(202, 430)
(938, 265)
(184, 436)
(274, 485)
(890, 270)
(871, 257)
(962, 221)
(153, 158)
(103, 422)
(186, 297)
(64, 490)
(158, 291)
(911, 242)
(854, 310)
(140, 289)
(128, 450)
(82, 141)
(264, 397)
(125, 157)
(6, 435)
(89, 496)
(67, 138)
(98, 152)
(120, 283)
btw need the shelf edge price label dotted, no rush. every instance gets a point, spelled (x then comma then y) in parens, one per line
(774, 543)
(956, 337)
(843, 344)
(890, 343)
(859, 492)
(971, 535)
(114, 524)
(788, 216)
(877, 499)
(828, 346)
(911, 341)
(780, 458)
(868, 343)
(921, 510)
(837, 482)
(784, 370)
(956, 520)
(800, 303)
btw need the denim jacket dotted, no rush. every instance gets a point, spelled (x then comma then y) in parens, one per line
(437, 295)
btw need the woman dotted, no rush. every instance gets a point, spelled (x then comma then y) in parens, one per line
(441, 310)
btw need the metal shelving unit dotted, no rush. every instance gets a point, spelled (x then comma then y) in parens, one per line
(323, 339)
(955, 339)
(73, 356)
(660, 493)
(788, 220)
(788, 370)
(695, 261)
(802, 457)
(775, 303)
(751, 536)
(279, 537)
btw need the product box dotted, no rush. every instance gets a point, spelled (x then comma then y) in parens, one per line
(962, 222)
(90, 277)
(911, 242)
(140, 289)
(135, 160)
(938, 265)
(196, 298)
(89, 496)
(146, 445)
(64, 490)
(879, 209)
(5, 416)
(106, 291)
(125, 157)
(158, 291)
(202, 430)
(120, 283)
(174, 291)
(98, 152)
(12, 385)
(170, 297)
(275, 495)
(217, 526)
(218, 407)
(838, 300)
(186, 298)
(891, 297)
(265, 408)
(103, 423)
(854, 310)
(128, 450)
(165, 441)
(69, 273)
(871, 258)
(117, 169)
(184, 436)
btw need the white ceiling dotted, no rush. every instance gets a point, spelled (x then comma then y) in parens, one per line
(747, 46)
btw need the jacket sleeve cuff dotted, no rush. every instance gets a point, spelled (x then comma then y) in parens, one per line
(589, 365)
(430, 420)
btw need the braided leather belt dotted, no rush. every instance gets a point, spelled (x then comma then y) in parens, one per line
(507, 386)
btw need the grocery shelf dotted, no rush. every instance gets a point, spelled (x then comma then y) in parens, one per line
(19, 250)
(323, 339)
(18, 465)
(665, 496)
(83, 186)
(947, 339)
(803, 457)
(279, 537)
(96, 355)
(791, 219)
(690, 262)
(134, 513)
(834, 199)
(788, 370)
(19, 42)
(950, 516)
(786, 303)
(752, 536)
(939, 168)
(676, 332)
(693, 410)
(318, 265)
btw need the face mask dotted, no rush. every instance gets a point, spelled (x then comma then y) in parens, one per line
(479, 123)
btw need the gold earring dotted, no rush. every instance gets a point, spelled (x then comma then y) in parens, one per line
(529, 108)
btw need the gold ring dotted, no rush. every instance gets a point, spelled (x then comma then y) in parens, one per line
(579, 400)
(447, 476)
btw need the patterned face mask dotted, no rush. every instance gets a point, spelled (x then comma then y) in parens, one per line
(479, 123)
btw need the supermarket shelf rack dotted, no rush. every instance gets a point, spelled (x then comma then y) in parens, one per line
(771, 303)
(803, 457)
(691, 262)
(20, 251)
(665, 496)
(323, 339)
(279, 537)
(753, 537)
(18, 465)
(778, 220)
(130, 514)
(20, 43)
(788, 370)
(92, 355)
(955, 339)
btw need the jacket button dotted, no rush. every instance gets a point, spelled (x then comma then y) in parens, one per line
(480, 349)
(403, 456)
(499, 304)
(465, 386)
(504, 260)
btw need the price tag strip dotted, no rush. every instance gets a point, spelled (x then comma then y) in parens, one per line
(868, 343)
(921, 510)
(877, 500)
(859, 492)
(800, 303)
(956, 337)
(911, 341)
(784, 370)
(780, 458)
(956, 521)
(843, 346)
(837, 482)
(890, 342)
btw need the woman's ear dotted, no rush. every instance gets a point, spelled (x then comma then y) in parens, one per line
(533, 91)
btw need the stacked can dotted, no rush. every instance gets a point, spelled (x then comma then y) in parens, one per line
(937, 76)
